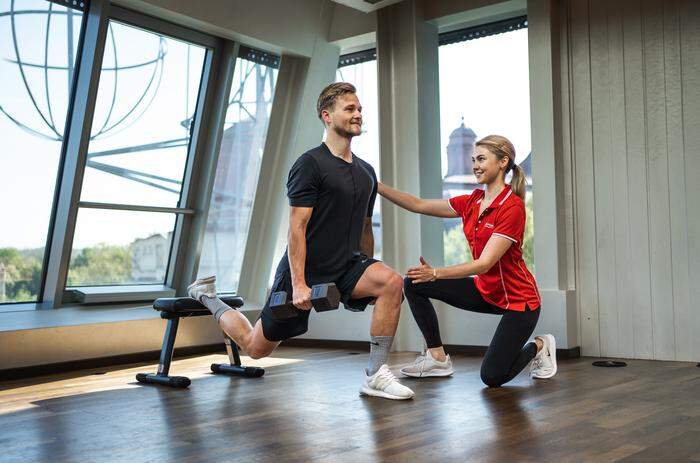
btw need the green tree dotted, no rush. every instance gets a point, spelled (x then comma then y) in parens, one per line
(100, 265)
(528, 239)
(455, 246)
(22, 273)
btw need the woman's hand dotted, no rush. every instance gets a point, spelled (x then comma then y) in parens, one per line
(422, 274)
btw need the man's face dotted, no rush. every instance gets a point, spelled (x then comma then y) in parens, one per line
(345, 117)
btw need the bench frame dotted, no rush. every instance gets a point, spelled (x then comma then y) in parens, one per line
(162, 376)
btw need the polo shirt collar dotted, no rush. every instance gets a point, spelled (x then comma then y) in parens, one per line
(500, 199)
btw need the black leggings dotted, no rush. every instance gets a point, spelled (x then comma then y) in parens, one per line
(508, 352)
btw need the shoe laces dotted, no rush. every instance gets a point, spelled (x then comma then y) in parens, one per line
(384, 378)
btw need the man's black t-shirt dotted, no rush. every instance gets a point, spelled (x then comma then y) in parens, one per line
(342, 194)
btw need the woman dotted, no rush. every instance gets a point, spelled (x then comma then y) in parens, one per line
(496, 282)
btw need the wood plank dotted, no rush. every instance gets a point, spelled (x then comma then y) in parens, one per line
(605, 202)
(638, 233)
(624, 311)
(677, 186)
(587, 290)
(663, 330)
(690, 62)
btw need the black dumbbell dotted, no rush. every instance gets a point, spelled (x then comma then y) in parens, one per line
(324, 297)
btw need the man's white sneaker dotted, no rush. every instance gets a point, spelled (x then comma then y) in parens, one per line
(544, 365)
(426, 365)
(202, 287)
(384, 384)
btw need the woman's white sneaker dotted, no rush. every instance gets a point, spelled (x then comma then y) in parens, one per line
(544, 365)
(202, 287)
(384, 384)
(426, 365)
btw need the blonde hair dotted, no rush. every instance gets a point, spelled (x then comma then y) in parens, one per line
(330, 94)
(501, 147)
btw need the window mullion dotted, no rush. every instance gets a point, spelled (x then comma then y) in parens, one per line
(77, 140)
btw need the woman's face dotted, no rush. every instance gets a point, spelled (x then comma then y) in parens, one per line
(486, 166)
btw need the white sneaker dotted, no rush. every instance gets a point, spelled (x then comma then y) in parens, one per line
(202, 287)
(384, 384)
(426, 365)
(544, 365)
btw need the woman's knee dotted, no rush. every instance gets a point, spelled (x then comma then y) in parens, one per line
(492, 377)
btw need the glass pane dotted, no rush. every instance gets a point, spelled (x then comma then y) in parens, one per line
(38, 44)
(364, 77)
(237, 173)
(141, 128)
(120, 247)
(475, 103)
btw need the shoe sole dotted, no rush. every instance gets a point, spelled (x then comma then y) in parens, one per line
(553, 346)
(434, 374)
(374, 393)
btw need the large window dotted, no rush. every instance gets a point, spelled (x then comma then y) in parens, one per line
(244, 132)
(38, 46)
(141, 130)
(484, 89)
(360, 69)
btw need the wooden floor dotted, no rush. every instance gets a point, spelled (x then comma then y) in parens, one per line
(306, 408)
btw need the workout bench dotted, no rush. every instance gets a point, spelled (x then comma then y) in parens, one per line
(175, 308)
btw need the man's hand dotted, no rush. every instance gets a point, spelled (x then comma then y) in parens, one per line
(301, 297)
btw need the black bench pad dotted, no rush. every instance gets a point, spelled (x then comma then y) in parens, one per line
(177, 305)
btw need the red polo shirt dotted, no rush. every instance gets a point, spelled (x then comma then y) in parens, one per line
(508, 284)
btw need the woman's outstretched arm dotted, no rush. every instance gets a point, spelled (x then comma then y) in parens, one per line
(434, 207)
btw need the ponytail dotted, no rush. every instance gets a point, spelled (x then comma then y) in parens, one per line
(517, 183)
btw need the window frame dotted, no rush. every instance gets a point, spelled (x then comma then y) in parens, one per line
(82, 6)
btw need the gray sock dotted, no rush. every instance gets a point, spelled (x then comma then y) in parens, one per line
(216, 306)
(379, 347)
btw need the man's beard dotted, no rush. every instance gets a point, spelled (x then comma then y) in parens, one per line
(343, 133)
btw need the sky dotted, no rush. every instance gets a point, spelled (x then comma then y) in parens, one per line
(485, 81)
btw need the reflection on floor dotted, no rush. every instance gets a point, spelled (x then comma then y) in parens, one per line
(306, 408)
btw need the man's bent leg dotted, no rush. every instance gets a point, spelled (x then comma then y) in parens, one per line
(386, 285)
(381, 282)
(250, 339)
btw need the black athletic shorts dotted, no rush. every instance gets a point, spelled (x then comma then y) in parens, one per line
(279, 330)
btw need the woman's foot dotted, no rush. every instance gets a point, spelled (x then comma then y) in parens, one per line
(426, 365)
(544, 365)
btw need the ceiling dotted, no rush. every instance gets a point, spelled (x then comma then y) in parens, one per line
(366, 6)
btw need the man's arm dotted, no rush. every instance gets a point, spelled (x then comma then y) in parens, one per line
(296, 242)
(367, 240)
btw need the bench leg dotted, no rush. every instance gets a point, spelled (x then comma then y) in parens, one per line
(166, 357)
(235, 368)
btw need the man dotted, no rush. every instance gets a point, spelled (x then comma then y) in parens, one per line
(331, 194)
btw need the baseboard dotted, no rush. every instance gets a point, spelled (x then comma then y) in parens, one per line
(327, 344)
(102, 362)
(479, 351)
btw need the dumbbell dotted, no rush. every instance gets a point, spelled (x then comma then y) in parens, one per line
(324, 297)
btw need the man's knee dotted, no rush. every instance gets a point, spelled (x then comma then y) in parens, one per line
(257, 352)
(394, 285)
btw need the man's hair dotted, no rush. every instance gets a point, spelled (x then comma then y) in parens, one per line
(331, 93)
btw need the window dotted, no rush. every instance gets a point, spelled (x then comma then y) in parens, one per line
(360, 69)
(242, 144)
(139, 143)
(38, 46)
(484, 89)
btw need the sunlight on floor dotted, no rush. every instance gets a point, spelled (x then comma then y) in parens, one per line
(94, 380)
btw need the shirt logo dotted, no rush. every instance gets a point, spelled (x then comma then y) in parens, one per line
(488, 225)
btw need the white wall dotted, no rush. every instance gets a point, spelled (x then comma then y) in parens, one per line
(633, 111)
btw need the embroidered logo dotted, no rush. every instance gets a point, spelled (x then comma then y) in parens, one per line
(488, 225)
